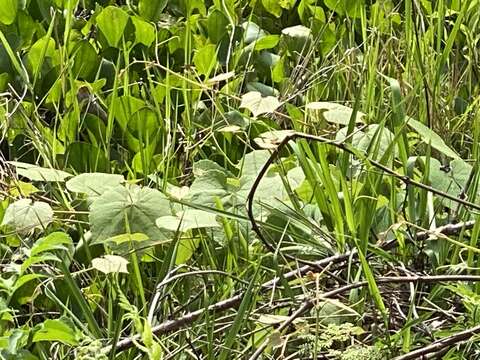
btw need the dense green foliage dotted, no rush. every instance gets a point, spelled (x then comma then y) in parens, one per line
(132, 133)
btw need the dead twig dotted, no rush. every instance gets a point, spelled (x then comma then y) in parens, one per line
(440, 346)
(307, 305)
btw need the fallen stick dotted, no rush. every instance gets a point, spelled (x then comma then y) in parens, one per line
(175, 324)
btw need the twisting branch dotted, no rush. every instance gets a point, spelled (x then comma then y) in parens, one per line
(342, 146)
(234, 301)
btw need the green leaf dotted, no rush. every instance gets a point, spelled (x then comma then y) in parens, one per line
(85, 60)
(267, 42)
(335, 113)
(8, 11)
(152, 10)
(205, 59)
(273, 7)
(37, 173)
(217, 26)
(188, 220)
(42, 49)
(124, 107)
(257, 104)
(56, 331)
(144, 31)
(24, 215)
(54, 241)
(137, 206)
(430, 137)
(93, 184)
(108, 264)
(112, 22)
(122, 238)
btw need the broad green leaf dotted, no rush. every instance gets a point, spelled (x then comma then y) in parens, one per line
(39, 52)
(22, 189)
(205, 59)
(351, 8)
(108, 264)
(273, 7)
(451, 180)
(201, 167)
(297, 32)
(362, 140)
(128, 209)
(186, 248)
(25, 215)
(37, 173)
(188, 220)
(335, 113)
(430, 137)
(56, 331)
(124, 107)
(112, 22)
(257, 104)
(85, 60)
(263, 89)
(54, 241)
(152, 9)
(267, 42)
(253, 162)
(143, 127)
(93, 184)
(144, 31)
(8, 11)
(217, 26)
(120, 239)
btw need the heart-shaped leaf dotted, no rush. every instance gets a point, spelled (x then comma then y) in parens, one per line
(24, 215)
(108, 264)
(93, 184)
(8, 11)
(128, 209)
(188, 220)
(112, 22)
(335, 113)
(258, 104)
(37, 173)
(56, 330)
(151, 10)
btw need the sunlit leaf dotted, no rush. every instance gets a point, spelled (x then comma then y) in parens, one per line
(25, 215)
(108, 264)
(112, 22)
(93, 184)
(257, 104)
(188, 220)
